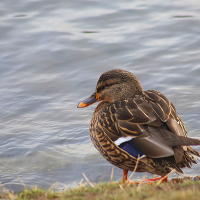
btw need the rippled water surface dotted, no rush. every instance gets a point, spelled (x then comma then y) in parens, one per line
(51, 56)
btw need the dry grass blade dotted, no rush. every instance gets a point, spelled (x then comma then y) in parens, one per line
(111, 177)
(135, 167)
(141, 183)
(81, 182)
(84, 184)
(22, 182)
(160, 181)
(52, 186)
(10, 195)
(75, 184)
(133, 171)
(121, 187)
(87, 180)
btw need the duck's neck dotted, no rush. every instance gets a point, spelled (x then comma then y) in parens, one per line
(101, 106)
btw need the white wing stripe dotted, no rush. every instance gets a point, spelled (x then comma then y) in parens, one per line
(122, 139)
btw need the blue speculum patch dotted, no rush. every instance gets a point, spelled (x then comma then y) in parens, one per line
(129, 148)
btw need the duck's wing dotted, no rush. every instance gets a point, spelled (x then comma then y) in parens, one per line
(148, 123)
(131, 117)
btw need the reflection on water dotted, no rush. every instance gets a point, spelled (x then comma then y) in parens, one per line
(52, 54)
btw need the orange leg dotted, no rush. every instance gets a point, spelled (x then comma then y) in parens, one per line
(125, 173)
(151, 180)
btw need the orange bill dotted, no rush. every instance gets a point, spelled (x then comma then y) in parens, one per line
(90, 100)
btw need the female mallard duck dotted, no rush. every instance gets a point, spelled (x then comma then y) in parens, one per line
(130, 122)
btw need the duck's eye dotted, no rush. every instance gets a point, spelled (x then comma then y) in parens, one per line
(99, 89)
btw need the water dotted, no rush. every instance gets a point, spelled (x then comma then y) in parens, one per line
(51, 56)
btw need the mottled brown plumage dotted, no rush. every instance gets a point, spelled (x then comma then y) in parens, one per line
(147, 119)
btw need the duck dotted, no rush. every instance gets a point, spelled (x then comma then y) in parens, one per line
(138, 130)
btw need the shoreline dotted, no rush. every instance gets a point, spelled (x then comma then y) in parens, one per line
(174, 189)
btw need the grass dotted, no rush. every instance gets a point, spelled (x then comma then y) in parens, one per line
(176, 189)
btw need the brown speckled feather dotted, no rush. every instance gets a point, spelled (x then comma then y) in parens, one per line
(137, 117)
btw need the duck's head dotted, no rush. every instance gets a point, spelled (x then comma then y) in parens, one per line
(112, 86)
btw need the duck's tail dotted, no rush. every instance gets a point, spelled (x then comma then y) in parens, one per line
(192, 151)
